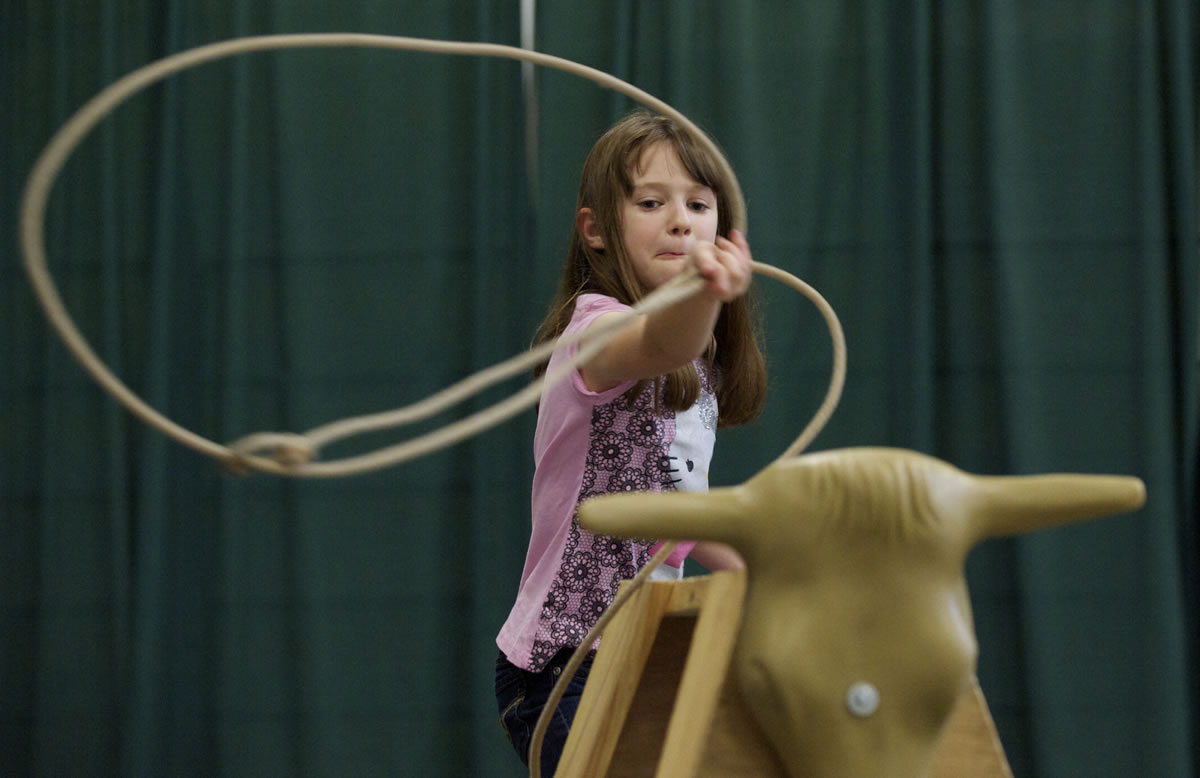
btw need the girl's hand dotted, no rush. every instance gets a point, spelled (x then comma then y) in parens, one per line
(724, 265)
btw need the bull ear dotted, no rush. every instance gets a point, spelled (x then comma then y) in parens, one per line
(1001, 506)
(718, 514)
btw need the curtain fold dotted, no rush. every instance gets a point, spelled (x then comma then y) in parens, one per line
(999, 200)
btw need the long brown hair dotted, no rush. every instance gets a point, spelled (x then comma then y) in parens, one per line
(607, 180)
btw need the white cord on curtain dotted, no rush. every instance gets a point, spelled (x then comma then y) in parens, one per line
(529, 92)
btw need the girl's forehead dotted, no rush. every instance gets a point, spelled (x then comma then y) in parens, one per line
(657, 160)
(658, 151)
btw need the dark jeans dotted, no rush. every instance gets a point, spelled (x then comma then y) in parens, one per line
(521, 695)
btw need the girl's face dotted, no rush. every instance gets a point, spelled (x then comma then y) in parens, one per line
(666, 213)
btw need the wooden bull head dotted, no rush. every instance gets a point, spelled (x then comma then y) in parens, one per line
(857, 636)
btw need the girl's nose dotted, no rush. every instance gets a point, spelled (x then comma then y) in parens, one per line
(681, 220)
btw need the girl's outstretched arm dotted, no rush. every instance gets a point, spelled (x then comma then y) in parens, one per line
(658, 343)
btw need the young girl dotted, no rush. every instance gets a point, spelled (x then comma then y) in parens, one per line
(642, 414)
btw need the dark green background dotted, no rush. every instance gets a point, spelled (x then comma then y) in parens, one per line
(998, 198)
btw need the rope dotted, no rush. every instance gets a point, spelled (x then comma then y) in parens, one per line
(292, 454)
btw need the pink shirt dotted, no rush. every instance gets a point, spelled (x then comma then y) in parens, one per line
(590, 443)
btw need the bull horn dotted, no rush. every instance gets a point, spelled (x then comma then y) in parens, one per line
(1003, 506)
(718, 514)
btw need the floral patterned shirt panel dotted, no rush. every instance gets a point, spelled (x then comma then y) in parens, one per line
(631, 449)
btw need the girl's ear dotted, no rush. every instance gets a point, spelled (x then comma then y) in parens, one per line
(585, 220)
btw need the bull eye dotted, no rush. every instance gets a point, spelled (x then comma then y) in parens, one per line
(862, 699)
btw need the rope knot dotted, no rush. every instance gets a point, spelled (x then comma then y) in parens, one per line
(286, 448)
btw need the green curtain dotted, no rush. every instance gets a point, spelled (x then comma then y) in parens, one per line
(999, 199)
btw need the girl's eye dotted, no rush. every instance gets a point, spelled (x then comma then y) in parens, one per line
(699, 206)
(647, 204)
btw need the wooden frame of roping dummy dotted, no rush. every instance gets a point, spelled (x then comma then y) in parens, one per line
(660, 701)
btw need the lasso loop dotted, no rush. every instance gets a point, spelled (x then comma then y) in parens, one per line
(293, 454)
